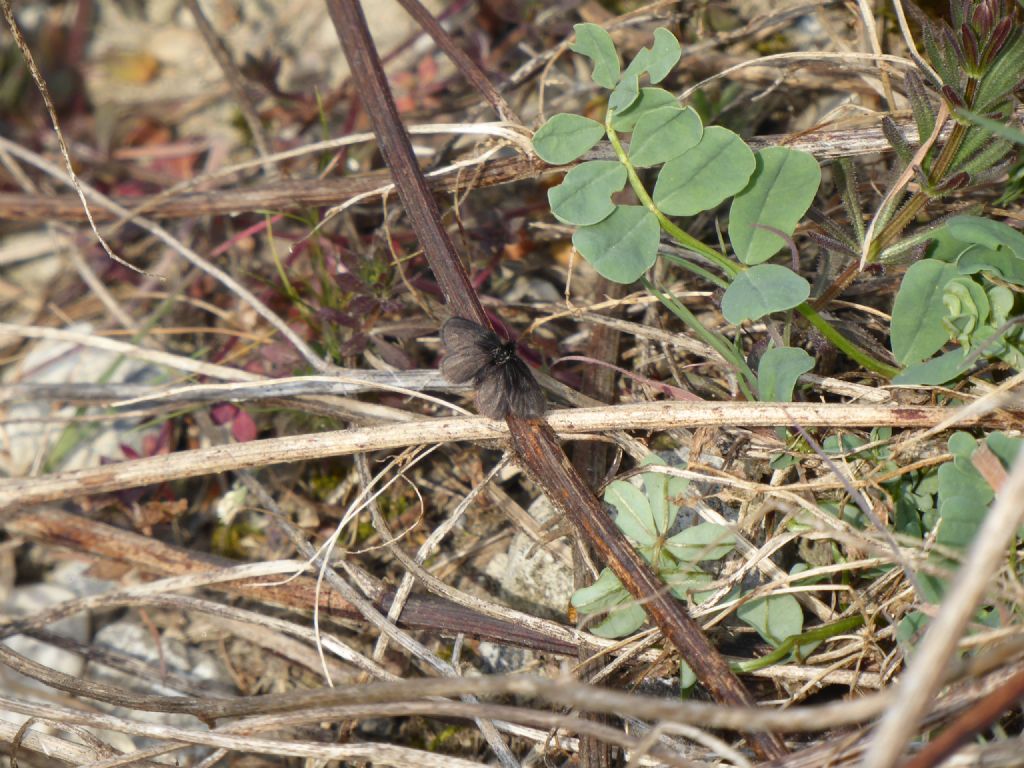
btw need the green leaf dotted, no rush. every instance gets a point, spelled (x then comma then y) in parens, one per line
(844, 443)
(584, 196)
(775, 617)
(933, 587)
(987, 232)
(686, 581)
(1006, 448)
(704, 541)
(1001, 302)
(916, 331)
(623, 620)
(701, 178)
(778, 371)
(967, 308)
(662, 134)
(608, 594)
(782, 461)
(781, 190)
(596, 44)
(1002, 262)
(661, 490)
(604, 594)
(639, 64)
(761, 290)
(909, 509)
(997, 127)
(945, 247)
(658, 60)
(623, 246)
(912, 627)
(964, 495)
(687, 677)
(566, 137)
(634, 518)
(976, 244)
(961, 515)
(650, 99)
(962, 446)
(939, 370)
(625, 94)
(664, 55)
(1002, 76)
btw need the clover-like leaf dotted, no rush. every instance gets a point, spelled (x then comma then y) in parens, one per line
(602, 595)
(780, 191)
(634, 516)
(967, 308)
(584, 196)
(977, 244)
(701, 178)
(964, 495)
(761, 290)
(912, 627)
(596, 44)
(649, 99)
(663, 134)
(778, 371)
(626, 93)
(621, 621)
(566, 137)
(661, 491)
(845, 443)
(938, 370)
(639, 64)
(687, 677)
(1001, 300)
(775, 617)
(658, 60)
(1002, 262)
(623, 246)
(988, 232)
(704, 541)
(664, 55)
(686, 581)
(1004, 446)
(625, 616)
(916, 331)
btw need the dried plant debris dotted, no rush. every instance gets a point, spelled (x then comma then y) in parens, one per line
(767, 260)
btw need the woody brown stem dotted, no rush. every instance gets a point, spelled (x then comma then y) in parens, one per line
(535, 444)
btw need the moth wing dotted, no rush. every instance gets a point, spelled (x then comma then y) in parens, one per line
(492, 393)
(467, 349)
(510, 388)
(462, 366)
(458, 333)
(522, 392)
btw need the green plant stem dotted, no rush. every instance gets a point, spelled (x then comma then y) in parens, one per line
(846, 346)
(794, 642)
(900, 221)
(698, 270)
(892, 230)
(731, 269)
(680, 235)
(747, 380)
(282, 274)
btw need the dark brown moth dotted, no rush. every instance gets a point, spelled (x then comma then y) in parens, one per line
(503, 382)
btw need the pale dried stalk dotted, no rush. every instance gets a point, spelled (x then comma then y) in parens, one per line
(258, 453)
(919, 684)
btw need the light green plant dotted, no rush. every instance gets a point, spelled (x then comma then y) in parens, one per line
(697, 168)
(961, 293)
